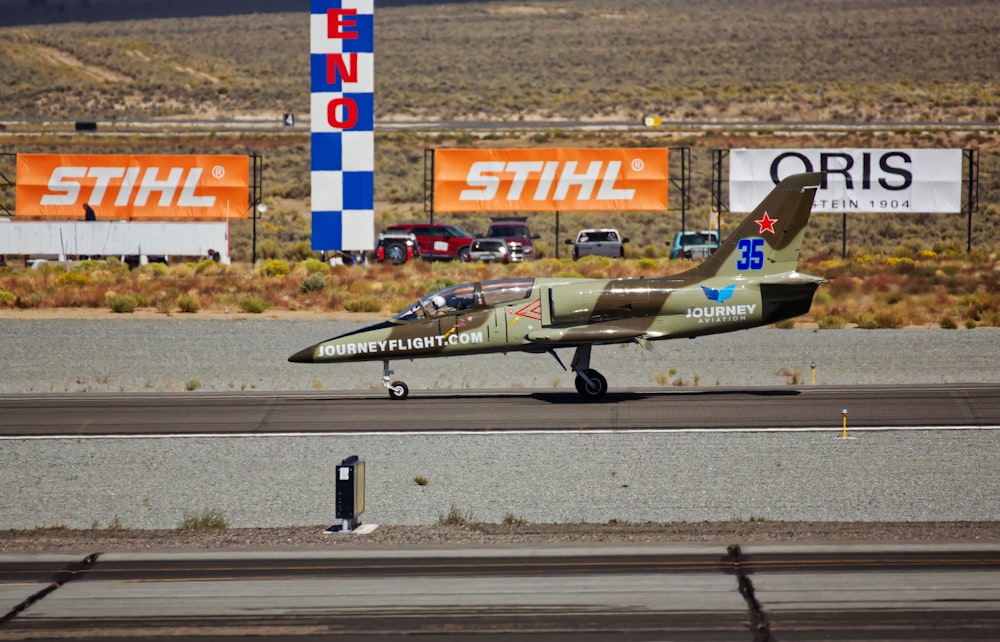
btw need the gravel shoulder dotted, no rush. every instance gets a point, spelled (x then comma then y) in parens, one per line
(157, 353)
(500, 535)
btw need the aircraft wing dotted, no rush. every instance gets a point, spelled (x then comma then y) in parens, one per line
(584, 334)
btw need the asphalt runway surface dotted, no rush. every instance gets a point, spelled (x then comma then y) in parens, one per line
(635, 593)
(742, 409)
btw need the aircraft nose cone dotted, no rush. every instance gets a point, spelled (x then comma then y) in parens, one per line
(303, 356)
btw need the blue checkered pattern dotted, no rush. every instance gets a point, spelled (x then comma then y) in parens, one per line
(342, 84)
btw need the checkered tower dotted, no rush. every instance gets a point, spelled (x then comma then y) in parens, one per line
(343, 123)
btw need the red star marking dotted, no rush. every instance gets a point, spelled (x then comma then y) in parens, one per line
(766, 224)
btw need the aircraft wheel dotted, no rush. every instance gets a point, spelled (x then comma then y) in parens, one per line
(398, 390)
(597, 388)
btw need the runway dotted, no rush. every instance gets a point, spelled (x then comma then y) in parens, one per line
(635, 593)
(678, 409)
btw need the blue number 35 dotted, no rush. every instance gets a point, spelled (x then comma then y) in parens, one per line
(751, 254)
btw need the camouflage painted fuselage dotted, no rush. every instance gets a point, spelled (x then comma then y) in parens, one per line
(567, 313)
(750, 281)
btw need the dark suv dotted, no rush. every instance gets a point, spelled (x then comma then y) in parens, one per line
(449, 242)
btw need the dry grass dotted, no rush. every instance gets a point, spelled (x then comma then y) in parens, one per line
(907, 63)
(871, 291)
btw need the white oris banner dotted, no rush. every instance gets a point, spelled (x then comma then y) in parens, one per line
(856, 180)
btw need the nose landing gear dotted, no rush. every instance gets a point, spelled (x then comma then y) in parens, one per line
(397, 389)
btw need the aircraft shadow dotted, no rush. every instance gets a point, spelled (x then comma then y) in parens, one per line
(571, 397)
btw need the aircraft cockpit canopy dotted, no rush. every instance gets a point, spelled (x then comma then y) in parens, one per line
(468, 296)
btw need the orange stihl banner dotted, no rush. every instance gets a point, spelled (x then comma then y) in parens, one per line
(557, 179)
(133, 186)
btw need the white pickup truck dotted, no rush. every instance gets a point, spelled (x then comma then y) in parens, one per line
(600, 242)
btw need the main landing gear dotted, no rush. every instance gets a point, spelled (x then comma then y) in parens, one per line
(589, 382)
(397, 389)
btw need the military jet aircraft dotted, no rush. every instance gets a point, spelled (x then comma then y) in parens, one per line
(751, 280)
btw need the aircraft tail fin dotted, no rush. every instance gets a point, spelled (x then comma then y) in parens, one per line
(768, 240)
